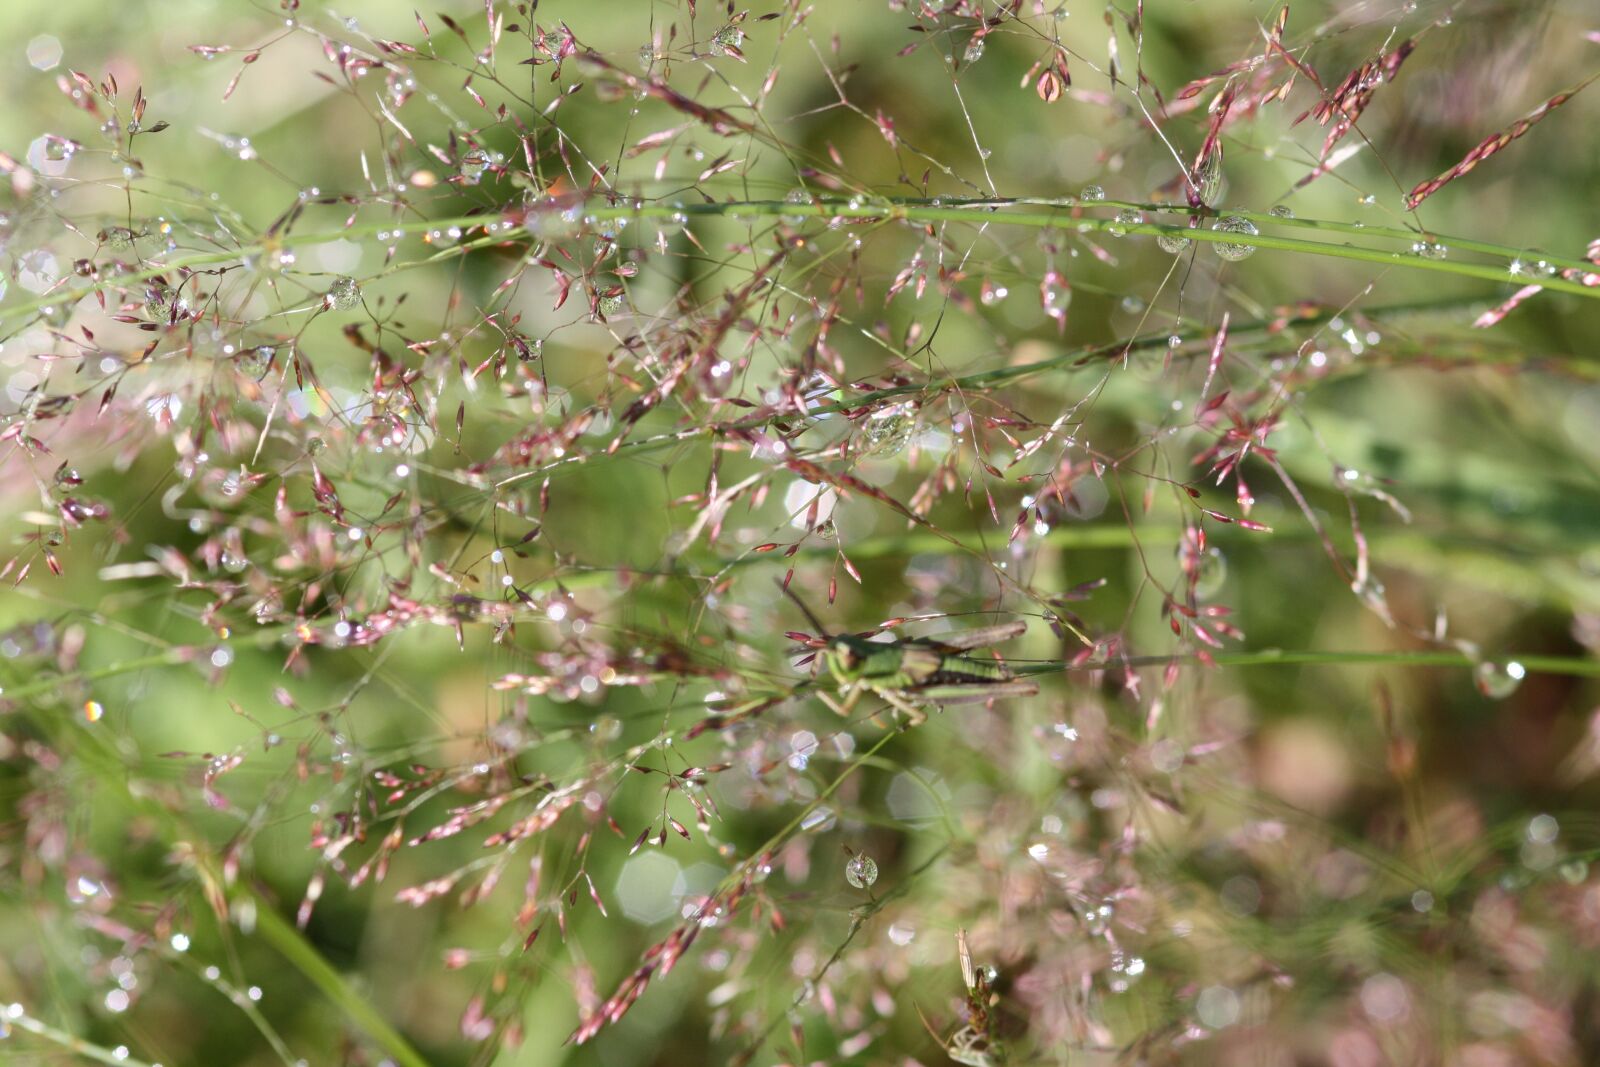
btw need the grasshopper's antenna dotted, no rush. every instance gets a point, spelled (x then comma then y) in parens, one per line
(822, 631)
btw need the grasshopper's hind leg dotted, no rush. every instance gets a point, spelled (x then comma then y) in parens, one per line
(915, 716)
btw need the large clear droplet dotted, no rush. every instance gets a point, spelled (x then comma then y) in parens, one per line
(974, 50)
(726, 41)
(1124, 218)
(1173, 243)
(1210, 569)
(1092, 194)
(476, 162)
(1234, 250)
(886, 431)
(796, 196)
(1498, 680)
(861, 871)
(343, 294)
(1208, 180)
(255, 361)
(164, 304)
(819, 820)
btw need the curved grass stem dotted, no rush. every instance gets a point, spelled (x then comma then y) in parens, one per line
(1062, 212)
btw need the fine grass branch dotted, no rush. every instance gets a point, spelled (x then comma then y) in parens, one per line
(1063, 214)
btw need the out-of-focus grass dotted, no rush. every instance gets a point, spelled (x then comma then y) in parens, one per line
(1499, 470)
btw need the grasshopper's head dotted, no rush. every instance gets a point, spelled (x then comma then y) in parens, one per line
(845, 655)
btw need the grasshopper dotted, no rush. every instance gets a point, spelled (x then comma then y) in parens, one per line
(919, 671)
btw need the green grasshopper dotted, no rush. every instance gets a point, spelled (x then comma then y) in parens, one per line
(920, 670)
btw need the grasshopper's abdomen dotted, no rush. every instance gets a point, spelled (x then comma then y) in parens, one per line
(958, 670)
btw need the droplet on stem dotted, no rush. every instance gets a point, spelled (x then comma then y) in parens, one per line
(1124, 218)
(861, 871)
(1234, 250)
(1498, 680)
(343, 294)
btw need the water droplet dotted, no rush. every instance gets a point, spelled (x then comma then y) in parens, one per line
(343, 294)
(796, 196)
(1092, 194)
(1173, 243)
(476, 162)
(1232, 250)
(1429, 249)
(163, 304)
(726, 41)
(118, 237)
(1208, 566)
(974, 51)
(1208, 180)
(886, 431)
(1574, 872)
(861, 871)
(819, 820)
(93, 711)
(1542, 829)
(1118, 226)
(1498, 680)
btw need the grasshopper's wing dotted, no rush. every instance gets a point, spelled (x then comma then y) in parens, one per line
(983, 637)
(980, 693)
(919, 662)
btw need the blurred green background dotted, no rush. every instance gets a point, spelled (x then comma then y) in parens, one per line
(1487, 438)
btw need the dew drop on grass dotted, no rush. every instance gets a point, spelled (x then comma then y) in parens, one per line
(726, 41)
(118, 237)
(476, 162)
(1208, 180)
(819, 820)
(1210, 570)
(796, 196)
(1429, 249)
(163, 303)
(1498, 680)
(343, 294)
(93, 711)
(255, 361)
(1234, 250)
(1124, 218)
(861, 871)
(974, 50)
(1173, 243)
(1092, 194)
(1282, 211)
(886, 431)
